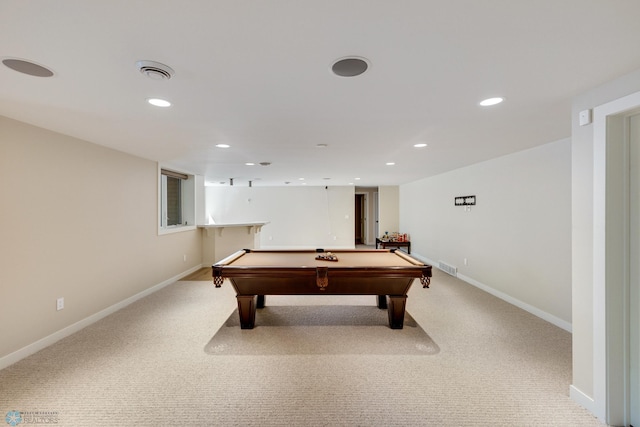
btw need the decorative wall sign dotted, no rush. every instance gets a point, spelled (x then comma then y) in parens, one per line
(465, 201)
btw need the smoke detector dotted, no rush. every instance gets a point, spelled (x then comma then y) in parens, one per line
(155, 70)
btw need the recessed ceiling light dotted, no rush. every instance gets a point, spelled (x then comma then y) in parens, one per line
(159, 102)
(491, 101)
(223, 145)
(300, 179)
(27, 67)
(420, 145)
(357, 179)
(250, 164)
(350, 67)
(321, 145)
(390, 163)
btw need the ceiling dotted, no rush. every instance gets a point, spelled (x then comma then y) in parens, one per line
(256, 75)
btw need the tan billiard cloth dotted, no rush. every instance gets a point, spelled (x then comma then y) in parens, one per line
(300, 259)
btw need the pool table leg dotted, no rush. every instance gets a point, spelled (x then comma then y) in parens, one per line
(247, 310)
(396, 310)
(260, 303)
(382, 301)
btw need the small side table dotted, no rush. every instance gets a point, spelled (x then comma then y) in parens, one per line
(386, 243)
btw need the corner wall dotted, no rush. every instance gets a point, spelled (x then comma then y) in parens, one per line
(78, 221)
(516, 241)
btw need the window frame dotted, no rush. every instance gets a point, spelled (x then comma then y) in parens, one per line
(187, 200)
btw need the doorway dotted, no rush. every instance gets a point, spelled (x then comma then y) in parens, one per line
(360, 219)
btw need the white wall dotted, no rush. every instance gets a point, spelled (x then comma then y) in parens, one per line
(299, 217)
(389, 210)
(78, 221)
(517, 239)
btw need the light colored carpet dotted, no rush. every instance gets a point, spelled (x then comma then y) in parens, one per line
(330, 330)
(148, 365)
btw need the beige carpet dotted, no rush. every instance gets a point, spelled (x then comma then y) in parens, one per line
(330, 330)
(150, 365)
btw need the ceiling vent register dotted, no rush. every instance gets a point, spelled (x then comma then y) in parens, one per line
(155, 70)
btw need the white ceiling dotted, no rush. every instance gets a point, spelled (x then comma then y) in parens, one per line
(255, 74)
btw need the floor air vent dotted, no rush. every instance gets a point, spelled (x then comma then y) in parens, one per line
(450, 269)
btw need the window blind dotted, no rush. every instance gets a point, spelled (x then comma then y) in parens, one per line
(173, 174)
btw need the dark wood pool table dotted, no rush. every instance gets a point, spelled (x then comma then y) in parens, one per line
(254, 273)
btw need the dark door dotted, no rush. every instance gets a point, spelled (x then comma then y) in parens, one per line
(359, 219)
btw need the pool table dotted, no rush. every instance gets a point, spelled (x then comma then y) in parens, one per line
(255, 273)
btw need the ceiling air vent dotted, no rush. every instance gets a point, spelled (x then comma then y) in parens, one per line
(155, 70)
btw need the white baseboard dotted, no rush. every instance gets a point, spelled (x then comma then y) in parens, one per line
(581, 399)
(32, 348)
(563, 324)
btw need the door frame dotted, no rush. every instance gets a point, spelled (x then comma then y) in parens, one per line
(611, 259)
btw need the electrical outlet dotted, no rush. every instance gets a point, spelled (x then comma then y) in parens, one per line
(59, 304)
